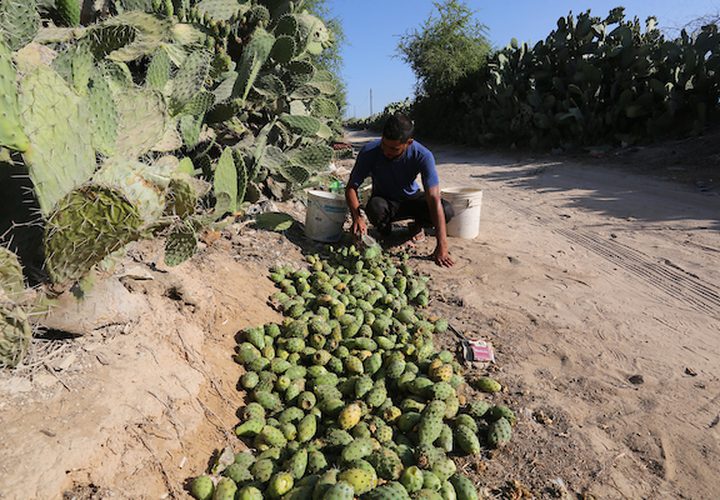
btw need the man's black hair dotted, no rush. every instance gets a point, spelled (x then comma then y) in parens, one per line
(398, 128)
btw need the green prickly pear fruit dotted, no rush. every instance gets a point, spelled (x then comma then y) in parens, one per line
(441, 391)
(238, 473)
(501, 411)
(343, 490)
(487, 384)
(250, 427)
(427, 494)
(387, 464)
(349, 416)
(307, 428)
(467, 421)
(408, 421)
(324, 483)
(430, 425)
(202, 488)
(447, 492)
(254, 411)
(273, 436)
(377, 396)
(292, 414)
(297, 464)
(412, 479)
(249, 493)
(389, 491)
(316, 462)
(361, 480)
(306, 400)
(353, 365)
(444, 468)
(268, 400)
(441, 326)
(431, 481)
(280, 483)
(262, 470)
(362, 431)
(225, 489)
(499, 433)
(289, 431)
(420, 386)
(445, 440)
(452, 406)
(373, 363)
(478, 409)
(467, 440)
(338, 437)
(249, 380)
(464, 489)
(359, 448)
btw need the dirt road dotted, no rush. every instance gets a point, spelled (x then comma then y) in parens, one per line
(603, 290)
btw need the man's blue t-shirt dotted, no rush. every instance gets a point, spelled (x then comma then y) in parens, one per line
(395, 179)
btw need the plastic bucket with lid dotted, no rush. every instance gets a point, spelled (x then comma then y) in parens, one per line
(325, 215)
(466, 203)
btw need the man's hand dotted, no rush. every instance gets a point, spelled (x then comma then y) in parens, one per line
(441, 255)
(359, 227)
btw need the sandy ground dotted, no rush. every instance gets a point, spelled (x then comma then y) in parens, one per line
(600, 290)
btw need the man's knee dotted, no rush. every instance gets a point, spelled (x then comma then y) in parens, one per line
(378, 210)
(448, 210)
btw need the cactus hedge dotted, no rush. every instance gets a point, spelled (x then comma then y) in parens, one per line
(142, 118)
(591, 81)
(109, 104)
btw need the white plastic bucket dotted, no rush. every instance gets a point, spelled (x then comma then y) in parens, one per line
(466, 203)
(325, 215)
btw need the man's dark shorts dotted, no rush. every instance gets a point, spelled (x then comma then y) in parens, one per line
(383, 212)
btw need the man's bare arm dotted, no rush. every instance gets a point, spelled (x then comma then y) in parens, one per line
(437, 214)
(359, 227)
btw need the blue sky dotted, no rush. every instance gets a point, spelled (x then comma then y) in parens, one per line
(373, 28)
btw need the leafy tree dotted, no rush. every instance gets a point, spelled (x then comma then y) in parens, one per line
(450, 45)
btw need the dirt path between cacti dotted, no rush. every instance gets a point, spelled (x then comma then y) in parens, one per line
(584, 278)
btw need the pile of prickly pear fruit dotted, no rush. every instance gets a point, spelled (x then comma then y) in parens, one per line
(349, 396)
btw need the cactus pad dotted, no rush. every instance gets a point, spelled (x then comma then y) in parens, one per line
(61, 156)
(11, 133)
(314, 158)
(226, 179)
(190, 78)
(15, 335)
(158, 72)
(142, 121)
(181, 245)
(19, 22)
(103, 115)
(254, 55)
(283, 50)
(89, 224)
(307, 126)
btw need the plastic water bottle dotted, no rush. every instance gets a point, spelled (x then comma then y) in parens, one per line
(337, 186)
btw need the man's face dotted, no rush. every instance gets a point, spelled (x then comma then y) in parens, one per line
(394, 149)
